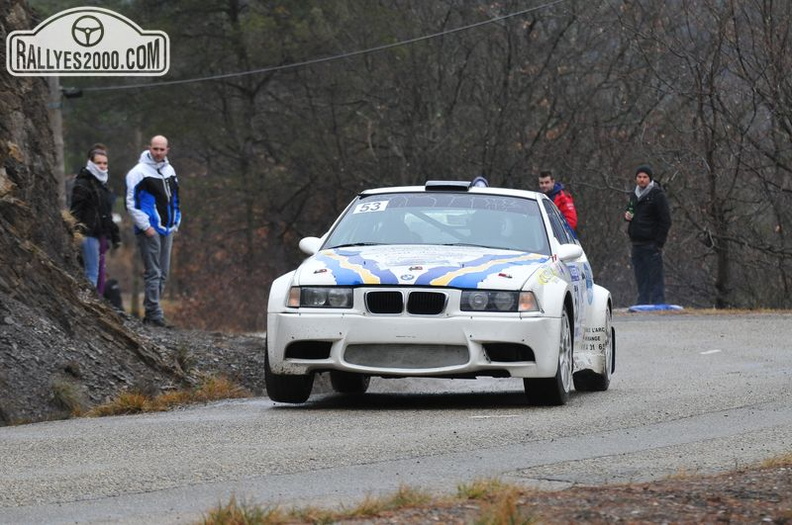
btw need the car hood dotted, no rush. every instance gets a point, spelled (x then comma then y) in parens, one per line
(421, 265)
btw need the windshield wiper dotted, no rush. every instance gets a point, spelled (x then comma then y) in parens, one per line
(466, 244)
(352, 244)
(474, 245)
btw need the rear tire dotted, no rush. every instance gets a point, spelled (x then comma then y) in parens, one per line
(554, 391)
(286, 388)
(348, 382)
(591, 381)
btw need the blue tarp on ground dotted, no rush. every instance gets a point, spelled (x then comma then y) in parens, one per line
(653, 307)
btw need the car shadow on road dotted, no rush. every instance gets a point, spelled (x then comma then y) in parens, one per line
(415, 401)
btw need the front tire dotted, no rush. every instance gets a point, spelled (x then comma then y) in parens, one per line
(286, 388)
(348, 382)
(554, 391)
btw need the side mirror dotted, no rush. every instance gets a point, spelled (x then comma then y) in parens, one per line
(569, 252)
(310, 245)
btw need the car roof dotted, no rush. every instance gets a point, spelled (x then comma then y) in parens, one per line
(455, 187)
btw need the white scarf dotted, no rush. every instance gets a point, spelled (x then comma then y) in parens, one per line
(101, 175)
(641, 192)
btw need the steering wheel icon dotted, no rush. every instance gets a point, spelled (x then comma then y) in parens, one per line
(87, 31)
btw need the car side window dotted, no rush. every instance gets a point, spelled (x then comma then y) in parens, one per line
(558, 223)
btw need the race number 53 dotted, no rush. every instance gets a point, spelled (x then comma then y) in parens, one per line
(368, 207)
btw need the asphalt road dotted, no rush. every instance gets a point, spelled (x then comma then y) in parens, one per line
(691, 394)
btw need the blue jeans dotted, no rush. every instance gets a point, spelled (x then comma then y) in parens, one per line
(90, 255)
(156, 253)
(647, 261)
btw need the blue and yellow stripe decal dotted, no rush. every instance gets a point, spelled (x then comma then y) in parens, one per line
(475, 271)
(350, 269)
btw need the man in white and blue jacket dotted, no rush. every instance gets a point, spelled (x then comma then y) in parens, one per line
(152, 200)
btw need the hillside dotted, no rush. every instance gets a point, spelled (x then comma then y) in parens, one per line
(60, 345)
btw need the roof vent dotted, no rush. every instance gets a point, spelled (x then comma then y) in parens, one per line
(447, 185)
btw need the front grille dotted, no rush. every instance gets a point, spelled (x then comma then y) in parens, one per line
(384, 302)
(426, 303)
(413, 357)
(418, 303)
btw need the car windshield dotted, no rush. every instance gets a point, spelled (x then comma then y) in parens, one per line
(491, 221)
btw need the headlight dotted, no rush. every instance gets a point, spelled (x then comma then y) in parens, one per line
(475, 300)
(498, 301)
(339, 297)
(504, 301)
(320, 297)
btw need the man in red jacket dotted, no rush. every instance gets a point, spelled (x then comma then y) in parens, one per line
(562, 199)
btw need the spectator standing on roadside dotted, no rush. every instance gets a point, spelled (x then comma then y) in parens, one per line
(152, 200)
(92, 206)
(649, 220)
(560, 197)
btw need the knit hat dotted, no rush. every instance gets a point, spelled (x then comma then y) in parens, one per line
(645, 168)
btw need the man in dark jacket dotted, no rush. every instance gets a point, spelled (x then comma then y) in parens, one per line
(650, 219)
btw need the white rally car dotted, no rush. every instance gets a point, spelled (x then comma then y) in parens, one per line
(444, 280)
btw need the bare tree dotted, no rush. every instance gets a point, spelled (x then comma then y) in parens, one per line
(331, 103)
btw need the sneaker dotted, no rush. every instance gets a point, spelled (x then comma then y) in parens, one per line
(154, 322)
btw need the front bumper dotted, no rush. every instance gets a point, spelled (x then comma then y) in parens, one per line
(463, 345)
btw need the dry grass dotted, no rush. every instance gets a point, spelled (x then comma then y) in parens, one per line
(234, 513)
(213, 388)
(784, 460)
(504, 510)
(403, 498)
(210, 388)
(500, 502)
(500, 505)
(481, 489)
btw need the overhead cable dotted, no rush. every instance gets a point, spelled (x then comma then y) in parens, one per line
(326, 59)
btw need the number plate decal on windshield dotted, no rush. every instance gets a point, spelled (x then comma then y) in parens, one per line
(368, 207)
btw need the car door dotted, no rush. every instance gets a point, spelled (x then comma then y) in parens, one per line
(579, 268)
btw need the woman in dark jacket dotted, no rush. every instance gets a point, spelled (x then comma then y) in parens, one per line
(92, 206)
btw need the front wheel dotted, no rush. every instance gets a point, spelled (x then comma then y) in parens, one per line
(554, 391)
(286, 388)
